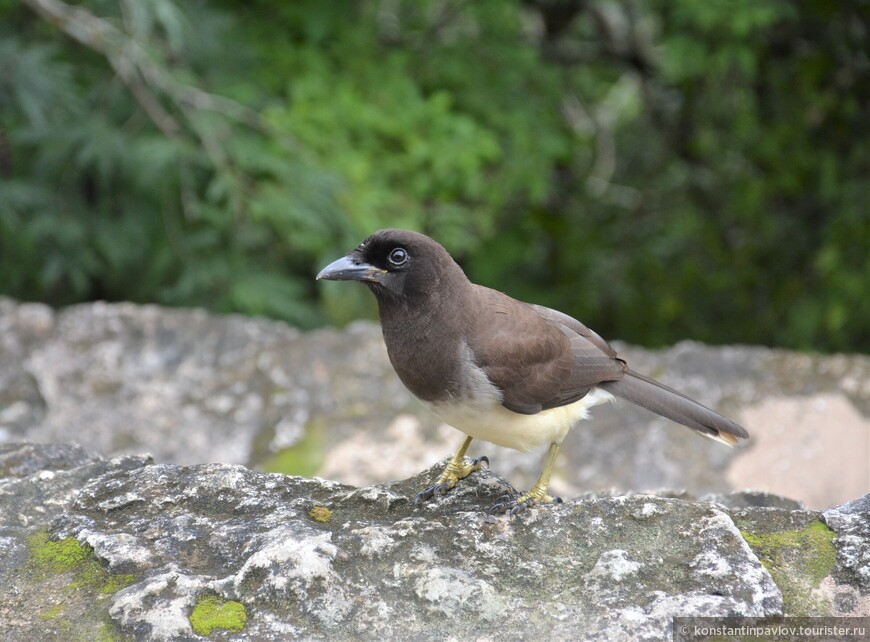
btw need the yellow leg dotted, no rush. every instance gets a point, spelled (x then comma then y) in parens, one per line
(537, 494)
(455, 470)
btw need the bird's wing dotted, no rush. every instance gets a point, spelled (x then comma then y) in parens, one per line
(538, 358)
(576, 327)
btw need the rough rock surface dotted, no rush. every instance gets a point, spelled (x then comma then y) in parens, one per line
(852, 523)
(125, 549)
(191, 387)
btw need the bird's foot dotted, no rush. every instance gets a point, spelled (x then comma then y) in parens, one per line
(447, 480)
(514, 503)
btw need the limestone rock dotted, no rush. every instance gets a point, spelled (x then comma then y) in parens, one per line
(130, 549)
(852, 523)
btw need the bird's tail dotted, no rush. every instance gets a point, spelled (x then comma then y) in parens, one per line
(676, 406)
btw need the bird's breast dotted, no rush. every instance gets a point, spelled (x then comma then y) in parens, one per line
(433, 360)
(492, 422)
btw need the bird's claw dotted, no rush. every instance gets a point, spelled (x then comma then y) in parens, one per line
(514, 503)
(520, 507)
(448, 479)
(503, 503)
(428, 493)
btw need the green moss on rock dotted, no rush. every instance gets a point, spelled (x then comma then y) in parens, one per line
(109, 633)
(213, 612)
(68, 555)
(52, 613)
(57, 556)
(797, 560)
(116, 582)
(71, 579)
(320, 514)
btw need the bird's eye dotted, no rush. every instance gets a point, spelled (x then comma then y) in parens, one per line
(398, 256)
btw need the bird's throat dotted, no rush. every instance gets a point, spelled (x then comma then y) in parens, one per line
(423, 344)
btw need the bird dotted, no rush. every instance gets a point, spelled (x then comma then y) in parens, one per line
(515, 374)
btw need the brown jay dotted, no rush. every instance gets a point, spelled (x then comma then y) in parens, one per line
(515, 374)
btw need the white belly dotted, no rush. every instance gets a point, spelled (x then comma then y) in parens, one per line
(492, 422)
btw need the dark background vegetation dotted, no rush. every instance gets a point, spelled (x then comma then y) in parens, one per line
(661, 170)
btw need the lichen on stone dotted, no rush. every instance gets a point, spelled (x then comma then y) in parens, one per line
(213, 612)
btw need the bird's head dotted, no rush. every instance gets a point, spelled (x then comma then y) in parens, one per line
(396, 265)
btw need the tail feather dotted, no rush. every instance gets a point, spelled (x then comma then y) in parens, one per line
(667, 402)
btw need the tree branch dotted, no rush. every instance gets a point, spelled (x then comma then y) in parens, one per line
(137, 69)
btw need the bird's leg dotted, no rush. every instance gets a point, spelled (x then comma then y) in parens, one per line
(456, 469)
(537, 494)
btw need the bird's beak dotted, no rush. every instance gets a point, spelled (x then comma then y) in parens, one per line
(349, 268)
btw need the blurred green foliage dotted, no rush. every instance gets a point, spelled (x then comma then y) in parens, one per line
(664, 170)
